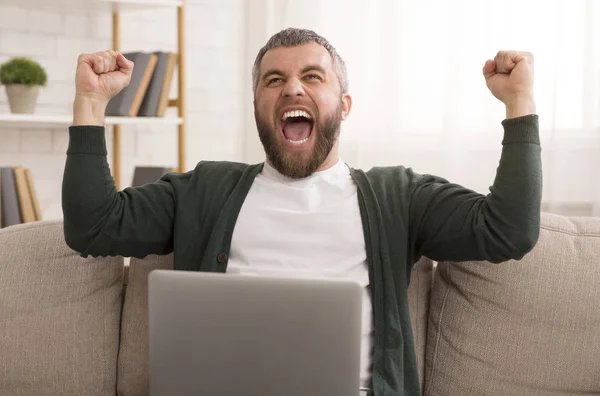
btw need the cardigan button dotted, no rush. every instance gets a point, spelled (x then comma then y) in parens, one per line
(222, 258)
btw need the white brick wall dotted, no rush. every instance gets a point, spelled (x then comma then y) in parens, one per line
(217, 75)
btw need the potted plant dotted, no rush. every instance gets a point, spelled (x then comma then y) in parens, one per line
(22, 77)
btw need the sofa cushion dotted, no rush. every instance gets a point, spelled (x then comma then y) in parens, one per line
(133, 365)
(529, 327)
(59, 315)
(419, 292)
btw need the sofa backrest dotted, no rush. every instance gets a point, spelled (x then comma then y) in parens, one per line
(528, 327)
(59, 315)
(133, 377)
(419, 292)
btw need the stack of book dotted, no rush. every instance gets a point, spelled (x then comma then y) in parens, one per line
(18, 199)
(147, 95)
(148, 174)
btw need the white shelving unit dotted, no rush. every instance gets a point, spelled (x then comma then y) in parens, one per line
(116, 8)
(53, 120)
(85, 6)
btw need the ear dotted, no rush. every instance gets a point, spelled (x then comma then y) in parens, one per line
(346, 105)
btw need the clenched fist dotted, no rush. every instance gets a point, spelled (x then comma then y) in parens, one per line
(101, 76)
(509, 76)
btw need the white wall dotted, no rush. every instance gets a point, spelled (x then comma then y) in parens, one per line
(216, 72)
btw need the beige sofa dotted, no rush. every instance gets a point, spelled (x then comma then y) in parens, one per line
(68, 326)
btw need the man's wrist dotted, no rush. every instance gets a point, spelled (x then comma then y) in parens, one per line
(88, 111)
(521, 106)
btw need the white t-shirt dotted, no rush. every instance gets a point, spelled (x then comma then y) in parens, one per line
(307, 227)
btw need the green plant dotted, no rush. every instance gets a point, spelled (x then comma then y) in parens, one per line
(21, 70)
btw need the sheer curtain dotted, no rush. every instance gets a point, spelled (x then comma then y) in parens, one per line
(420, 99)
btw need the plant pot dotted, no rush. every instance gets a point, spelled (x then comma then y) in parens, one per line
(22, 98)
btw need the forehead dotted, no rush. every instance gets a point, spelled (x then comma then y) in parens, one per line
(293, 59)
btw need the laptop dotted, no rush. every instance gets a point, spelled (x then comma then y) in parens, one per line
(231, 335)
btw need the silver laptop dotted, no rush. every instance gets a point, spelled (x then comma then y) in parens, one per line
(233, 335)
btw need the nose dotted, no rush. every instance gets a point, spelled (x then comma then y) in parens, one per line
(293, 87)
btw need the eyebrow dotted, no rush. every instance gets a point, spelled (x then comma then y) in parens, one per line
(313, 68)
(277, 72)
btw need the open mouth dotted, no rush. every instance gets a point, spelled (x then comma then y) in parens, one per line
(297, 126)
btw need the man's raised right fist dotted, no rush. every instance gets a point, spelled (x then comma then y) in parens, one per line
(102, 75)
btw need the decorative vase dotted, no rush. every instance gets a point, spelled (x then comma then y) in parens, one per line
(22, 98)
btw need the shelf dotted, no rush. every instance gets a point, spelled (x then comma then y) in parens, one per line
(53, 120)
(116, 8)
(76, 6)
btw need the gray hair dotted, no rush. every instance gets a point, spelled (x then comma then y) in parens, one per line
(292, 37)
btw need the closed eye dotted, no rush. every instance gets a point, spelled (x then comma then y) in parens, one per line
(274, 81)
(313, 77)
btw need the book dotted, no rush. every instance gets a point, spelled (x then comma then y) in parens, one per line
(127, 103)
(148, 174)
(11, 214)
(25, 200)
(34, 199)
(149, 107)
(167, 82)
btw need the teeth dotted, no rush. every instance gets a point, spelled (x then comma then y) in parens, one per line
(298, 141)
(295, 113)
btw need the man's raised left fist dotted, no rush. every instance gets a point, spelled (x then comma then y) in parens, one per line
(510, 77)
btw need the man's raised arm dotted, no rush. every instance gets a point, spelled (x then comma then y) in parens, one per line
(451, 222)
(99, 220)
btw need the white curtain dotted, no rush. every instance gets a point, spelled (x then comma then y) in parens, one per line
(420, 99)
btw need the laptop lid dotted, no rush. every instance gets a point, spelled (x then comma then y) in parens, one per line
(217, 334)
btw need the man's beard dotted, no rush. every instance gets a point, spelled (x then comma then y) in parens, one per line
(294, 164)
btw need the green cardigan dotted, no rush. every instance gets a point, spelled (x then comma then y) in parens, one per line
(405, 215)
